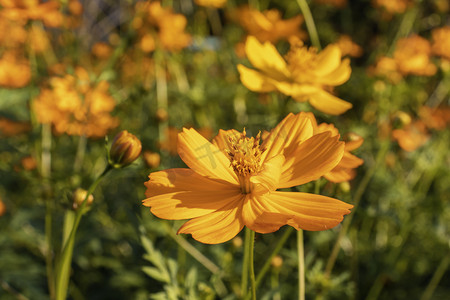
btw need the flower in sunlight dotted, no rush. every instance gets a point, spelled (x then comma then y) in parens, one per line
(305, 75)
(233, 182)
(211, 3)
(345, 170)
(268, 26)
(76, 106)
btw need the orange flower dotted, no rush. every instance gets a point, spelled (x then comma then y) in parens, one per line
(75, 106)
(151, 159)
(441, 42)
(412, 56)
(268, 26)
(305, 75)
(233, 182)
(393, 6)
(435, 118)
(345, 170)
(348, 47)
(48, 12)
(2, 207)
(11, 128)
(15, 71)
(412, 136)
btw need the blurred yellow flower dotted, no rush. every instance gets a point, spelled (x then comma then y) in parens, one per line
(345, 170)
(233, 181)
(102, 50)
(75, 106)
(436, 118)
(412, 56)
(211, 3)
(441, 42)
(151, 159)
(305, 75)
(15, 71)
(268, 26)
(12, 33)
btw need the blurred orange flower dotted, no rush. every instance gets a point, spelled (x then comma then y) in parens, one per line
(75, 106)
(441, 42)
(151, 159)
(28, 163)
(233, 182)
(11, 128)
(435, 118)
(268, 26)
(48, 12)
(348, 47)
(411, 136)
(15, 70)
(412, 56)
(392, 6)
(211, 3)
(305, 75)
(170, 27)
(2, 207)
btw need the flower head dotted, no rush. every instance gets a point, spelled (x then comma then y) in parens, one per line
(305, 75)
(233, 182)
(125, 149)
(441, 42)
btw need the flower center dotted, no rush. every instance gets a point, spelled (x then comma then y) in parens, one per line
(245, 158)
(300, 59)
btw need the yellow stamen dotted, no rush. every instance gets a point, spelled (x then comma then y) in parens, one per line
(245, 158)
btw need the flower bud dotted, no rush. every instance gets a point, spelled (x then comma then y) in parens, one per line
(78, 198)
(125, 149)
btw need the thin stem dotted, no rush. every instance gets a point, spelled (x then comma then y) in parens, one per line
(301, 265)
(357, 197)
(161, 90)
(79, 156)
(244, 275)
(275, 251)
(309, 23)
(251, 263)
(437, 276)
(63, 271)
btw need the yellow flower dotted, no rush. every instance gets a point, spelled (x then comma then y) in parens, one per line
(15, 71)
(211, 3)
(348, 47)
(233, 182)
(268, 26)
(345, 169)
(305, 75)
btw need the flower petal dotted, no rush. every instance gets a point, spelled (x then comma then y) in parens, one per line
(254, 80)
(329, 104)
(287, 135)
(328, 60)
(267, 180)
(219, 226)
(203, 157)
(340, 75)
(311, 159)
(339, 174)
(177, 194)
(301, 211)
(266, 58)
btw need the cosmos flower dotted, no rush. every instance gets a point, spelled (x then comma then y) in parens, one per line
(305, 75)
(233, 182)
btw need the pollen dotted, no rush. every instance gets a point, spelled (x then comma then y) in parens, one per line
(245, 157)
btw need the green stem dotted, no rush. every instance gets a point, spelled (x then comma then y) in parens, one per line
(63, 271)
(357, 197)
(244, 275)
(275, 251)
(437, 276)
(301, 265)
(309, 23)
(251, 263)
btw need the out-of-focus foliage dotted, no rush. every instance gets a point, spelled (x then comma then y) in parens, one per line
(73, 71)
